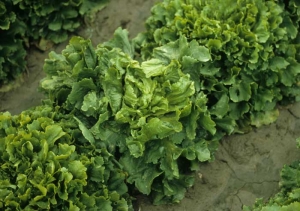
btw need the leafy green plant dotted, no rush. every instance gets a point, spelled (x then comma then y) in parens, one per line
(293, 10)
(12, 52)
(46, 164)
(253, 45)
(52, 20)
(23, 22)
(146, 114)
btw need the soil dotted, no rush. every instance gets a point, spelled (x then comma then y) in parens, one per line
(246, 166)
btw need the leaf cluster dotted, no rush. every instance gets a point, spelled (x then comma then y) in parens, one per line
(146, 114)
(25, 21)
(52, 20)
(12, 52)
(204, 72)
(253, 46)
(47, 164)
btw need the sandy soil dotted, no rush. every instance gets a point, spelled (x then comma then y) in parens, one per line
(246, 166)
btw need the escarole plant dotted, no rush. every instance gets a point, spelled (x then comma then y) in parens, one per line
(253, 45)
(12, 52)
(46, 164)
(52, 20)
(26, 22)
(147, 114)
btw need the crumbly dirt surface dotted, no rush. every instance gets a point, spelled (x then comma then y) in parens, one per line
(245, 167)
